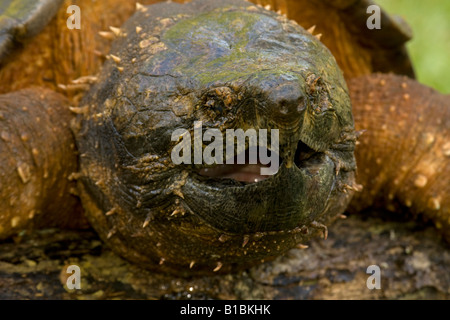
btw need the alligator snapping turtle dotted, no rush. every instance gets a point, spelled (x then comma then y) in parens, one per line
(231, 65)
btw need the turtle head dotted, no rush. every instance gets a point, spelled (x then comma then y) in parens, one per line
(220, 135)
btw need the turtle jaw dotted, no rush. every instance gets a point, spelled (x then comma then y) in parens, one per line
(244, 168)
(294, 196)
(246, 173)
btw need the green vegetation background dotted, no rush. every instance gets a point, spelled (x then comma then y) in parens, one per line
(430, 46)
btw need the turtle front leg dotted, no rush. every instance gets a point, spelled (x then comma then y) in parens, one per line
(404, 154)
(37, 158)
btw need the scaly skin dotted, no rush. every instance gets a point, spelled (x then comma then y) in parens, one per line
(404, 154)
(37, 157)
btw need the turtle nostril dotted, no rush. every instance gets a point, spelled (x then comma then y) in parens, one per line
(284, 108)
(287, 99)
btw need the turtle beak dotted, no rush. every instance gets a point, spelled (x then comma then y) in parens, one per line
(252, 170)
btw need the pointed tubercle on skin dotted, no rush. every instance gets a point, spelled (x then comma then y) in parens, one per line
(245, 240)
(147, 220)
(311, 30)
(108, 35)
(140, 7)
(218, 267)
(111, 212)
(115, 30)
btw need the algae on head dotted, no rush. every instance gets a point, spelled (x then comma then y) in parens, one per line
(227, 45)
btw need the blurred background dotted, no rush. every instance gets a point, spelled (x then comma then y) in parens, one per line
(430, 46)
